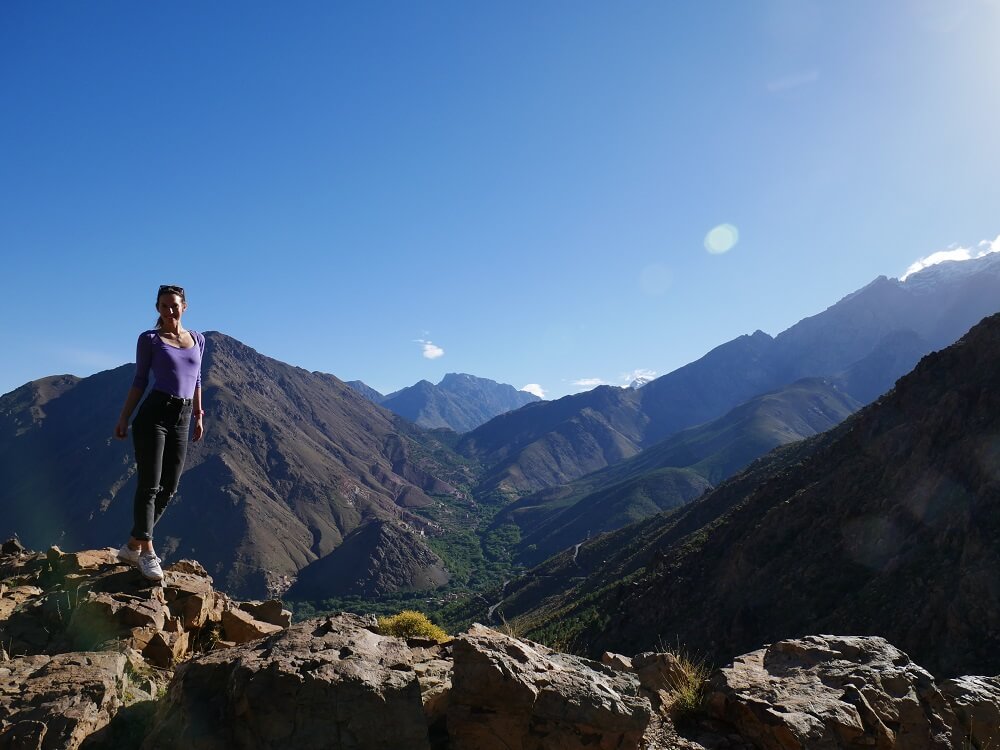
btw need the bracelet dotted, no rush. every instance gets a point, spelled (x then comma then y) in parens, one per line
(199, 413)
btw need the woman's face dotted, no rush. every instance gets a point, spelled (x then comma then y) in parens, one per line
(170, 306)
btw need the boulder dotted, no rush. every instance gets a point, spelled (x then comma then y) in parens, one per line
(241, 627)
(58, 701)
(320, 684)
(66, 563)
(100, 617)
(165, 649)
(659, 671)
(191, 567)
(270, 611)
(12, 546)
(508, 694)
(833, 692)
(197, 610)
(434, 676)
(976, 702)
(616, 661)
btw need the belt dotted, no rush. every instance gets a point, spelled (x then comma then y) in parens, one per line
(170, 398)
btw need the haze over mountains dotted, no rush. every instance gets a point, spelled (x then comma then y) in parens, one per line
(864, 342)
(459, 402)
(298, 466)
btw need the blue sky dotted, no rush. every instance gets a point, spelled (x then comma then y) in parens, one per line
(523, 187)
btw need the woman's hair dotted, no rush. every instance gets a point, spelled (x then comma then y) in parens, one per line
(168, 289)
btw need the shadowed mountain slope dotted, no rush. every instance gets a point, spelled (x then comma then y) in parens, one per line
(887, 525)
(379, 558)
(292, 462)
(676, 470)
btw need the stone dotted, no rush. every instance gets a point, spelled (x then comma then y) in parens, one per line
(67, 563)
(241, 627)
(434, 677)
(139, 638)
(833, 692)
(12, 546)
(58, 701)
(100, 617)
(616, 661)
(95, 621)
(180, 585)
(976, 702)
(191, 567)
(507, 693)
(659, 671)
(164, 650)
(192, 611)
(271, 611)
(324, 684)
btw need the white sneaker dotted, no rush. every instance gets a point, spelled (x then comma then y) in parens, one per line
(149, 566)
(128, 555)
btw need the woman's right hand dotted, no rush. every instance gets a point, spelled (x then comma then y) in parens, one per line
(121, 429)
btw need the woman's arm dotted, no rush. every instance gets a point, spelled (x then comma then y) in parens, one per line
(143, 359)
(199, 420)
(121, 429)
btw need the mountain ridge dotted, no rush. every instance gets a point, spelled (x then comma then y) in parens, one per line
(896, 510)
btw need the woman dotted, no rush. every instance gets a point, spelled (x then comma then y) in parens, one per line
(160, 430)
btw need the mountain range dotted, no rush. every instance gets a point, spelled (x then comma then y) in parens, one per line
(292, 463)
(303, 481)
(864, 342)
(674, 471)
(887, 524)
(460, 402)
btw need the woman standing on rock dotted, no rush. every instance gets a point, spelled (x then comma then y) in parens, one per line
(160, 429)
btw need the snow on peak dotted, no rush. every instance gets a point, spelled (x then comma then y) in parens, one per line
(640, 381)
(952, 256)
(949, 269)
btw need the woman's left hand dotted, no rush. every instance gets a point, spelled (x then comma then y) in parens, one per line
(199, 428)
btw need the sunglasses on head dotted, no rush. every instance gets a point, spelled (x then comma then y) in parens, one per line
(170, 289)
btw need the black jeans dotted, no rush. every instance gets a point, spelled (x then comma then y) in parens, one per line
(160, 436)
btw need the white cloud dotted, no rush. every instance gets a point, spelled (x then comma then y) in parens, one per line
(534, 389)
(589, 382)
(793, 81)
(431, 350)
(954, 253)
(639, 374)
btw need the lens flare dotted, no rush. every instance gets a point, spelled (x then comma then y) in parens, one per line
(722, 239)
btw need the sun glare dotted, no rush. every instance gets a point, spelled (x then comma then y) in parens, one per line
(721, 239)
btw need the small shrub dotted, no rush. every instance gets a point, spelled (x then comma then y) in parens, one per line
(412, 624)
(687, 692)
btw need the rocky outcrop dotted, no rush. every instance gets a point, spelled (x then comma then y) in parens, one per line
(507, 693)
(56, 702)
(834, 692)
(95, 658)
(84, 636)
(976, 702)
(330, 683)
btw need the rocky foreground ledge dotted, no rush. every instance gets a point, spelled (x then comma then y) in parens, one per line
(94, 657)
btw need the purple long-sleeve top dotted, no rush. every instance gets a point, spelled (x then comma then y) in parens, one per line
(175, 371)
